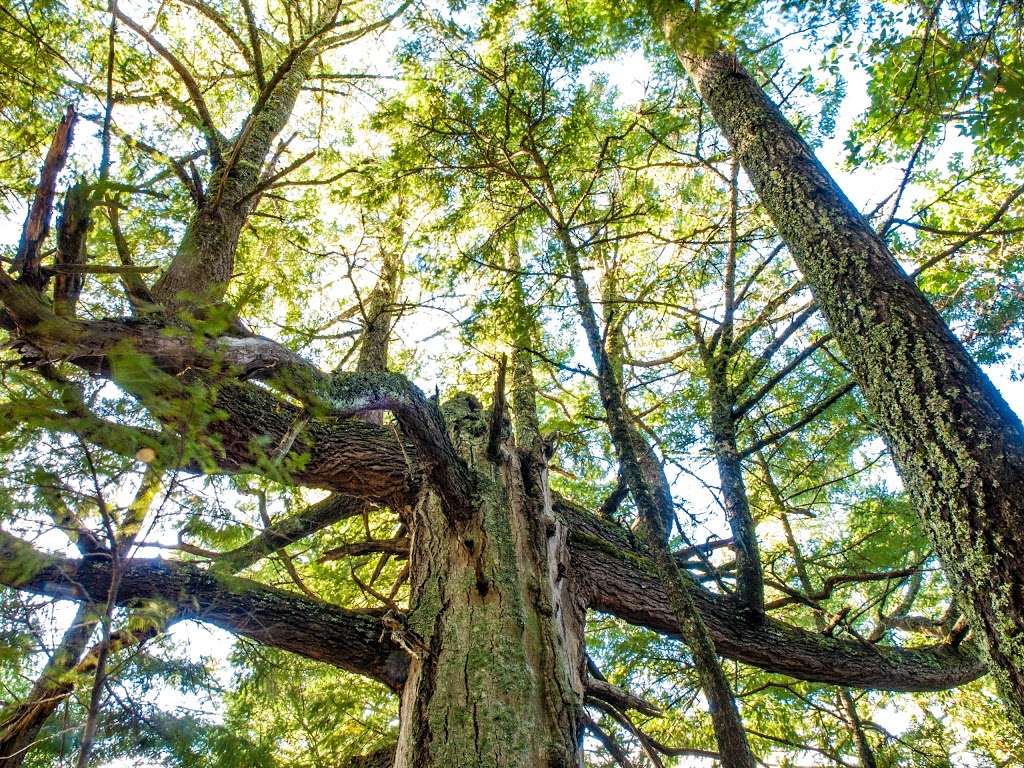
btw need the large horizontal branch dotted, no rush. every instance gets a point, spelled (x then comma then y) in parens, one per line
(314, 629)
(128, 351)
(615, 575)
(620, 580)
(348, 456)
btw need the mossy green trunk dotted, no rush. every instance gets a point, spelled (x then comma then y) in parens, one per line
(958, 446)
(495, 639)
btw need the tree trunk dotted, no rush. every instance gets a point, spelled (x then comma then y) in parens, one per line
(958, 446)
(202, 266)
(496, 675)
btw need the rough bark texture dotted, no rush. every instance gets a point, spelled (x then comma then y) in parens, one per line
(495, 677)
(958, 446)
(205, 258)
(72, 229)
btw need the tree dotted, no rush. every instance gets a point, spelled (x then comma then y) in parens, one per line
(515, 561)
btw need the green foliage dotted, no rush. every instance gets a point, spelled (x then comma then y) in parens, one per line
(480, 141)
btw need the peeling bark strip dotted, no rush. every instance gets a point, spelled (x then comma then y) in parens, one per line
(37, 223)
(957, 444)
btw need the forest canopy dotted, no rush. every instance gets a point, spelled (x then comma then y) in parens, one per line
(409, 383)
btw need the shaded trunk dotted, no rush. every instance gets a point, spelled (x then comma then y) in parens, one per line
(650, 491)
(495, 640)
(958, 446)
(860, 738)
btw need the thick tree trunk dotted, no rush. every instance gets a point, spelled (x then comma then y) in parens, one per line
(496, 672)
(958, 446)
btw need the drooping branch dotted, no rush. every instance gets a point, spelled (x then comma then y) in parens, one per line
(420, 420)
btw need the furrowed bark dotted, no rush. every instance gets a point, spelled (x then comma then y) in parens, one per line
(957, 444)
(749, 577)
(497, 660)
(860, 737)
(373, 358)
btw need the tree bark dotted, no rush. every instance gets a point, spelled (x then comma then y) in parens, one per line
(203, 264)
(495, 641)
(649, 488)
(957, 444)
